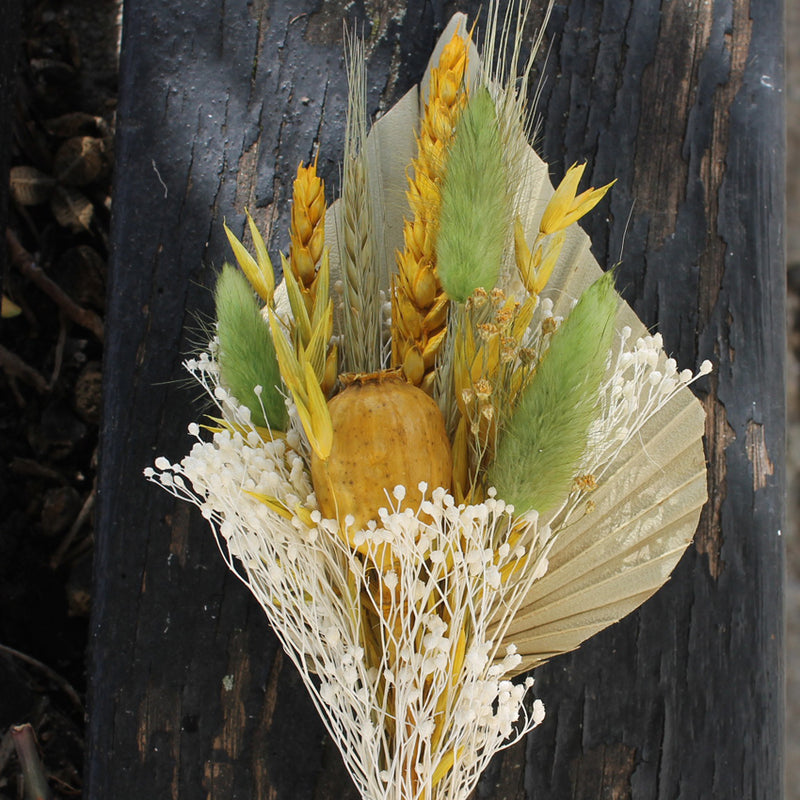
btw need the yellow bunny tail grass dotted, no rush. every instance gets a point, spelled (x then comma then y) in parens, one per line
(474, 215)
(419, 306)
(307, 229)
(540, 449)
(246, 351)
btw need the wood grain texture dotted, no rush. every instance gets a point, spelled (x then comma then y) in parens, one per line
(681, 102)
(190, 695)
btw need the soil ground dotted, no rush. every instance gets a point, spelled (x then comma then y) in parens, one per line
(63, 123)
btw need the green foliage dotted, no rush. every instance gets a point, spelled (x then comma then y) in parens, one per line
(246, 350)
(540, 450)
(474, 216)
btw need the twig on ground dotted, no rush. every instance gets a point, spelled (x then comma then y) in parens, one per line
(25, 263)
(27, 466)
(36, 786)
(17, 368)
(6, 749)
(62, 683)
(83, 515)
(58, 360)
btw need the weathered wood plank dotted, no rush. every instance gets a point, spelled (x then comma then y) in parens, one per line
(190, 695)
(681, 102)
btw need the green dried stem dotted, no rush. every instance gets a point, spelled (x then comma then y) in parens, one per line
(33, 773)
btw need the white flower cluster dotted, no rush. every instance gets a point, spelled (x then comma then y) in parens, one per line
(404, 663)
(641, 381)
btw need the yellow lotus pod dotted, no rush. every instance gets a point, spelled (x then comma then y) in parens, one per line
(386, 433)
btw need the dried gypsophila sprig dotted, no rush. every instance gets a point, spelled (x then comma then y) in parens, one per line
(420, 638)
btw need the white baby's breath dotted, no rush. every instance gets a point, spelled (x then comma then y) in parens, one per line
(404, 664)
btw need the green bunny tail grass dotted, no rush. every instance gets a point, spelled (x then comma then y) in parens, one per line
(539, 451)
(474, 215)
(246, 352)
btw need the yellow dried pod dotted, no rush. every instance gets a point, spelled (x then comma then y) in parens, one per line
(386, 433)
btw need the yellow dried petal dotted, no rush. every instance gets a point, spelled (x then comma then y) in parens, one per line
(316, 243)
(272, 503)
(262, 257)
(317, 347)
(331, 371)
(446, 764)
(585, 202)
(566, 206)
(250, 267)
(525, 260)
(437, 315)
(428, 383)
(412, 320)
(562, 200)
(304, 515)
(320, 290)
(293, 376)
(552, 251)
(320, 435)
(302, 225)
(8, 308)
(523, 318)
(432, 348)
(267, 434)
(413, 365)
(298, 304)
(303, 264)
(425, 286)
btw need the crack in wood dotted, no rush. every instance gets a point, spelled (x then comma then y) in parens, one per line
(664, 114)
(262, 779)
(603, 773)
(228, 742)
(757, 454)
(246, 174)
(718, 436)
(159, 729)
(712, 167)
(178, 523)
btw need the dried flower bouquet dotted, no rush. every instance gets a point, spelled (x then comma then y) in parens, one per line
(445, 451)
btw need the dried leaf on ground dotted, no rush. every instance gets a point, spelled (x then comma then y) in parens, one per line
(30, 186)
(76, 123)
(71, 208)
(80, 161)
